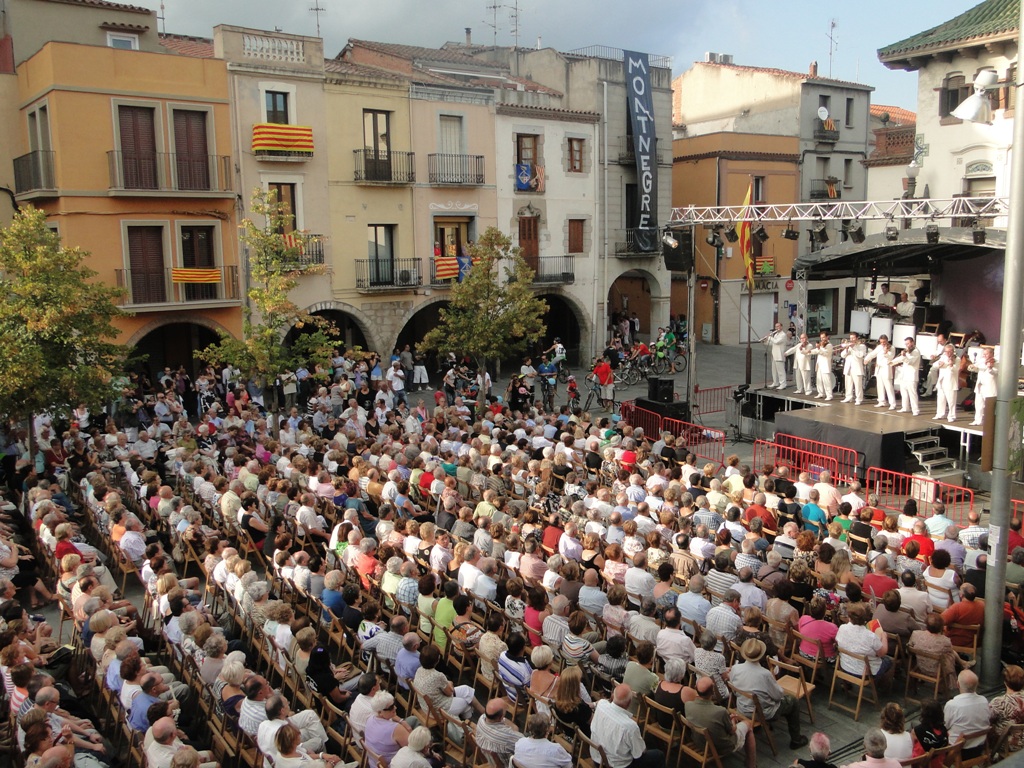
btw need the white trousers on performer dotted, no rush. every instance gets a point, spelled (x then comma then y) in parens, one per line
(803, 380)
(979, 410)
(908, 396)
(855, 387)
(945, 402)
(779, 373)
(886, 394)
(825, 384)
(931, 380)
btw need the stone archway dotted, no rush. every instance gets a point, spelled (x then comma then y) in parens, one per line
(642, 292)
(173, 342)
(569, 320)
(354, 330)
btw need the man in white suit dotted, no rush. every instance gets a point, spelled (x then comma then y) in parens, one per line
(910, 367)
(802, 353)
(985, 388)
(854, 352)
(883, 355)
(823, 367)
(777, 341)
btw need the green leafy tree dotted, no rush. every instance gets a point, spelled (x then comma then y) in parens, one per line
(56, 324)
(274, 267)
(493, 313)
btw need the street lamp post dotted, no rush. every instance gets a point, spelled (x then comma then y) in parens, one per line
(1010, 343)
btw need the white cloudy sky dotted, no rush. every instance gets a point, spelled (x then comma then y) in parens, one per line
(788, 34)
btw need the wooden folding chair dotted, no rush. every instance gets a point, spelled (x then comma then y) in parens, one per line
(863, 681)
(584, 750)
(652, 726)
(985, 758)
(791, 679)
(757, 718)
(916, 674)
(697, 744)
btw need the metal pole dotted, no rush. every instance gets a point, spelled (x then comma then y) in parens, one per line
(1010, 343)
(750, 320)
(691, 337)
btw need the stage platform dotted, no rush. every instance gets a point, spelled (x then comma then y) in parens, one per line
(877, 433)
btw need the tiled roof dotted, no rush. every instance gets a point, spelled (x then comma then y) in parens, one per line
(990, 18)
(897, 115)
(554, 113)
(788, 74)
(420, 53)
(512, 83)
(342, 67)
(186, 45)
(106, 4)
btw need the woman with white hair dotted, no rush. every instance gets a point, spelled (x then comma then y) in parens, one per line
(414, 754)
(385, 733)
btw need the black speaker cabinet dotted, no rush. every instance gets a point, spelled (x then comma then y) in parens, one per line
(660, 390)
(672, 410)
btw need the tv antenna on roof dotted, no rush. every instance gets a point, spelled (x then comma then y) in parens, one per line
(317, 9)
(833, 43)
(162, 18)
(513, 18)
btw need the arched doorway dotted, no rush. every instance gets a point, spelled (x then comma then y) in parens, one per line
(423, 319)
(635, 293)
(564, 320)
(172, 345)
(350, 333)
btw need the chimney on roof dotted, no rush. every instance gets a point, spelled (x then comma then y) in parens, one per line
(469, 35)
(813, 71)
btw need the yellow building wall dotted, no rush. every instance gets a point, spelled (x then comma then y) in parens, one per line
(716, 176)
(77, 83)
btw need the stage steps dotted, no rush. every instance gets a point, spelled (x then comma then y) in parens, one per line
(933, 459)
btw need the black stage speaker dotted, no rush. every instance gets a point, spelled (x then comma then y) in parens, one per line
(678, 409)
(680, 258)
(660, 390)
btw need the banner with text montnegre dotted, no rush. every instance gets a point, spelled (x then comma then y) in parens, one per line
(641, 119)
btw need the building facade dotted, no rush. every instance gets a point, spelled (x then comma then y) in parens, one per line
(829, 119)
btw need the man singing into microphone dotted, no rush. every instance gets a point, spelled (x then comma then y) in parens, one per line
(777, 341)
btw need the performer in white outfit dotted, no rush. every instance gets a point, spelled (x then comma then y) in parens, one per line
(854, 352)
(777, 341)
(885, 299)
(823, 367)
(933, 371)
(883, 355)
(985, 388)
(910, 366)
(802, 353)
(905, 307)
(947, 384)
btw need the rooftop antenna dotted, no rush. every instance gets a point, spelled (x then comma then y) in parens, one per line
(833, 43)
(493, 7)
(162, 18)
(513, 21)
(317, 9)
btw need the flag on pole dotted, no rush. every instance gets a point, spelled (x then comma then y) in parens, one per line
(746, 245)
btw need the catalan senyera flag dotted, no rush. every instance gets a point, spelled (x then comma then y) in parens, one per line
(746, 245)
(446, 267)
(282, 138)
(185, 275)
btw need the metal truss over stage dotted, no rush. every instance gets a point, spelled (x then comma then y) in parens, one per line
(925, 209)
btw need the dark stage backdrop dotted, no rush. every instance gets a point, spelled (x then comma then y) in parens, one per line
(972, 290)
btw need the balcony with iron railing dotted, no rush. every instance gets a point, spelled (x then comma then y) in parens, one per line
(302, 250)
(163, 288)
(627, 152)
(825, 131)
(169, 173)
(825, 189)
(455, 170)
(33, 174)
(383, 275)
(637, 242)
(554, 270)
(384, 167)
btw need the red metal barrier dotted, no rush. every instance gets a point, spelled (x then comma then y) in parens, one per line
(712, 399)
(894, 488)
(705, 443)
(846, 458)
(1018, 509)
(769, 454)
(649, 421)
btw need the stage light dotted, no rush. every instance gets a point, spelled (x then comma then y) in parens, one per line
(892, 233)
(931, 233)
(670, 241)
(819, 233)
(713, 239)
(730, 234)
(760, 233)
(979, 234)
(790, 234)
(855, 233)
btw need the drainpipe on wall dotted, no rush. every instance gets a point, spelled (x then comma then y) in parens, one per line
(604, 276)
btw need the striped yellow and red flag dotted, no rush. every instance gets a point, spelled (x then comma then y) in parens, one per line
(282, 138)
(746, 245)
(446, 267)
(184, 275)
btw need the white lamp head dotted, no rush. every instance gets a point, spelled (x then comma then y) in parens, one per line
(976, 108)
